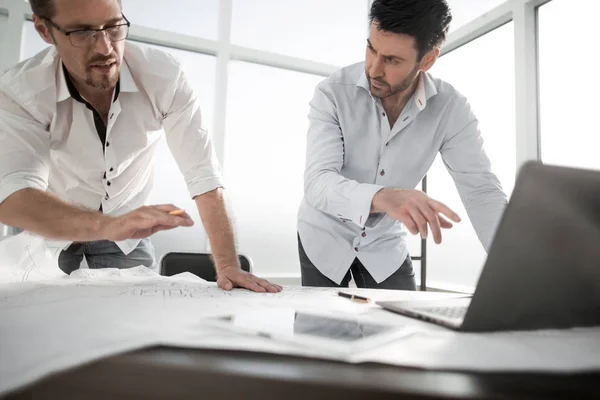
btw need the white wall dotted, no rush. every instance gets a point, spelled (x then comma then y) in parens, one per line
(3, 20)
(32, 42)
(3, 34)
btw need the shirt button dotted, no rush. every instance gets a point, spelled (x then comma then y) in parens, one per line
(108, 183)
(387, 144)
(382, 173)
(383, 114)
(106, 198)
(364, 234)
(356, 249)
(111, 170)
(107, 144)
(112, 115)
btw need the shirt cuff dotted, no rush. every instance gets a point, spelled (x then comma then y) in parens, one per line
(362, 200)
(202, 186)
(374, 220)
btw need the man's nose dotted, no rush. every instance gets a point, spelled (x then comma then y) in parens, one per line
(102, 43)
(376, 70)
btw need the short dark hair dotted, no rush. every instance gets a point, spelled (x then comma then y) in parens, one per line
(42, 8)
(425, 20)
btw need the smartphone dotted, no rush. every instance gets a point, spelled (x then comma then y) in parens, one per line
(334, 333)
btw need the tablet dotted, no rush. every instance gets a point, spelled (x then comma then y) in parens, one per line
(339, 334)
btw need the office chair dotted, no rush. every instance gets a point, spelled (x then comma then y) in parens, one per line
(199, 264)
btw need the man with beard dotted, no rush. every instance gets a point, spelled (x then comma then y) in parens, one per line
(375, 129)
(79, 126)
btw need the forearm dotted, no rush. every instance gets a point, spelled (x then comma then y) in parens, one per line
(42, 213)
(485, 211)
(216, 221)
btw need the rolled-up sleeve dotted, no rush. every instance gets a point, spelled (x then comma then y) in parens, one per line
(24, 150)
(189, 142)
(325, 188)
(468, 164)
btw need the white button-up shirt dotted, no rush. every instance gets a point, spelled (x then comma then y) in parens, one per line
(352, 153)
(48, 140)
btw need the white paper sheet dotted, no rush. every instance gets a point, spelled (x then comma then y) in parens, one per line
(50, 326)
(54, 324)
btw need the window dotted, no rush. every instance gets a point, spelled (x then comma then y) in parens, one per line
(32, 42)
(169, 185)
(568, 105)
(265, 146)
(482, 70)
(191, 17)
(465, 11)
(332, 31)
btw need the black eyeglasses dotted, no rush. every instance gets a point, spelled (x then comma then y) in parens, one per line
(87, 37)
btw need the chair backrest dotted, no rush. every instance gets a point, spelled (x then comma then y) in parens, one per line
(199, 264)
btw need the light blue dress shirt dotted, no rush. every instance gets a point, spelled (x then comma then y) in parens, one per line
(352, 153)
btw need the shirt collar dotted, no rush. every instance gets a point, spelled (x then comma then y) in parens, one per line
(425, 88)
(62, 90)
(363, 82)
(126, 79)
(66, 88)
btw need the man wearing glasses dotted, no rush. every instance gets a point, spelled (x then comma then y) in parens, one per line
(79, 126)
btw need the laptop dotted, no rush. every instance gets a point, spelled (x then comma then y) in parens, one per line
(543, 267)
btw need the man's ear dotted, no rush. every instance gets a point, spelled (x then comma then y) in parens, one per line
(42, 29)
(429, 59)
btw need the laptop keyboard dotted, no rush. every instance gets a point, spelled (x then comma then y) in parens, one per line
(452, 312)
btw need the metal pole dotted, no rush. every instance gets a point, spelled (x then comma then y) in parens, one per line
(423, 286)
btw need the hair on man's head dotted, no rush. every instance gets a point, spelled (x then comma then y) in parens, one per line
(42, 8)
(425, 20)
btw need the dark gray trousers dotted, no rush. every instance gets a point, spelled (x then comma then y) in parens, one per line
(402, 279)
(106, 254)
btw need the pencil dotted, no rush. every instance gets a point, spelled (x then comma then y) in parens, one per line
(354, 297)
(176, 212)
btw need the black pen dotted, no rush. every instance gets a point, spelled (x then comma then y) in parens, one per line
(354, 297)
